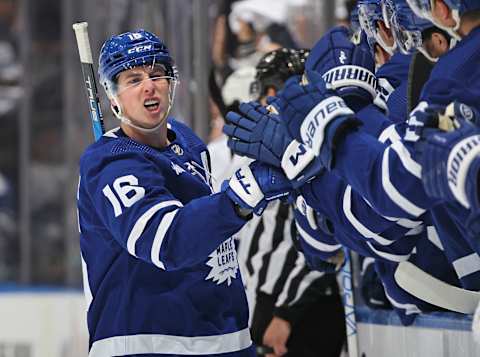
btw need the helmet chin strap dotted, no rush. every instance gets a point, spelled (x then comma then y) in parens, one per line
(118, 112)
(424, 52)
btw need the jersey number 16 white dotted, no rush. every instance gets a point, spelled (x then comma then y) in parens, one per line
(127, 190)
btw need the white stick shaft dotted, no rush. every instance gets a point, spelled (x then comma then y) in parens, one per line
(81, 33)
(434, 291)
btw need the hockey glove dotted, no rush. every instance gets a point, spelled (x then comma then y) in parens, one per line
(315, 115)
(253, 186)
(346, 67)
(261, 135)
(448, 149)
(426, 117)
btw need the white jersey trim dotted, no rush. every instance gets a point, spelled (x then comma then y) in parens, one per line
(170, 344)
(141, 223)
(159, 236)
(409, 308)
(392, 192)
(432, 236)
(86, 284)
(467, 265)
(389, 133)
(323, 247)
(410, 165)
(364, 231)
(388, 256)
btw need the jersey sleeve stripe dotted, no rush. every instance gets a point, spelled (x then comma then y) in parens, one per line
(86, 284)
(389, 133)
(388, 256)
(410, 165)
(467, 265)
(392, 192)
(364, 231)
(408, 308)
(432, 236)
(323, 247)
(414, 231)
(159, 236)
(141, 223)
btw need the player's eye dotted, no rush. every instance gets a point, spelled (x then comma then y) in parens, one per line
(134, 81)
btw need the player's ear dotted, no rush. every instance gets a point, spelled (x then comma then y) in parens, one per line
(443, 13)
(440, 43)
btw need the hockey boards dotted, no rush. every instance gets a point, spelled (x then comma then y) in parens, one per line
(434, 291)
(418, 74)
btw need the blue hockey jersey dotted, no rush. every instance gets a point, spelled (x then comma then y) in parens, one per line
(160, 267)
(389, 177)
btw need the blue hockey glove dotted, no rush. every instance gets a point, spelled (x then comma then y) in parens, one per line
(315, 115)
(426, 117)
(253, 186)
(448, 148)
(261, 135)
(346, 67)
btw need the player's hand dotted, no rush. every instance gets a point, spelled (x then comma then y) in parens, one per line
(261, 134)
(276, 336)
(254, 186)
(315, 115)
(346, 67)
(256, 133)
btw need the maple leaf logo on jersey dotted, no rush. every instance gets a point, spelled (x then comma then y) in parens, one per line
(223, 262)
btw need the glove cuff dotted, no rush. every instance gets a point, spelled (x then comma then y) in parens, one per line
(296, 158)
(243, 189)
(312, 130)
(350, 75)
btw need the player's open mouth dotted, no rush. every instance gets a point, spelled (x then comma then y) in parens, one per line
(152, 105)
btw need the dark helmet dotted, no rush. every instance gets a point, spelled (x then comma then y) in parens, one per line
(275, 68)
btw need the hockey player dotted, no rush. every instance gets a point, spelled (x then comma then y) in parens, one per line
(389, 177)
(294, 310)
(373, 19)
(466, 274)
(160, 268)
(349, 230)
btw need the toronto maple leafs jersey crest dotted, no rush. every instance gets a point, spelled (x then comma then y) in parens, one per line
(160, 269)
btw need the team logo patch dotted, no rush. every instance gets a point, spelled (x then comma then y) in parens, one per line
(223, 262)
(177, 149)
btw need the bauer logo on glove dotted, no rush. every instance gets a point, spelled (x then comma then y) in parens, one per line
(313, 127)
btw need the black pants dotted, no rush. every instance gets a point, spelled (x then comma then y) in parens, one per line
(319, 332)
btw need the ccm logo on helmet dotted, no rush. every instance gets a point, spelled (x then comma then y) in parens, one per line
(139, 49)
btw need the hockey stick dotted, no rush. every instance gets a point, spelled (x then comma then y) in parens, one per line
(346, 282)
(434, 291)
(85, 52)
